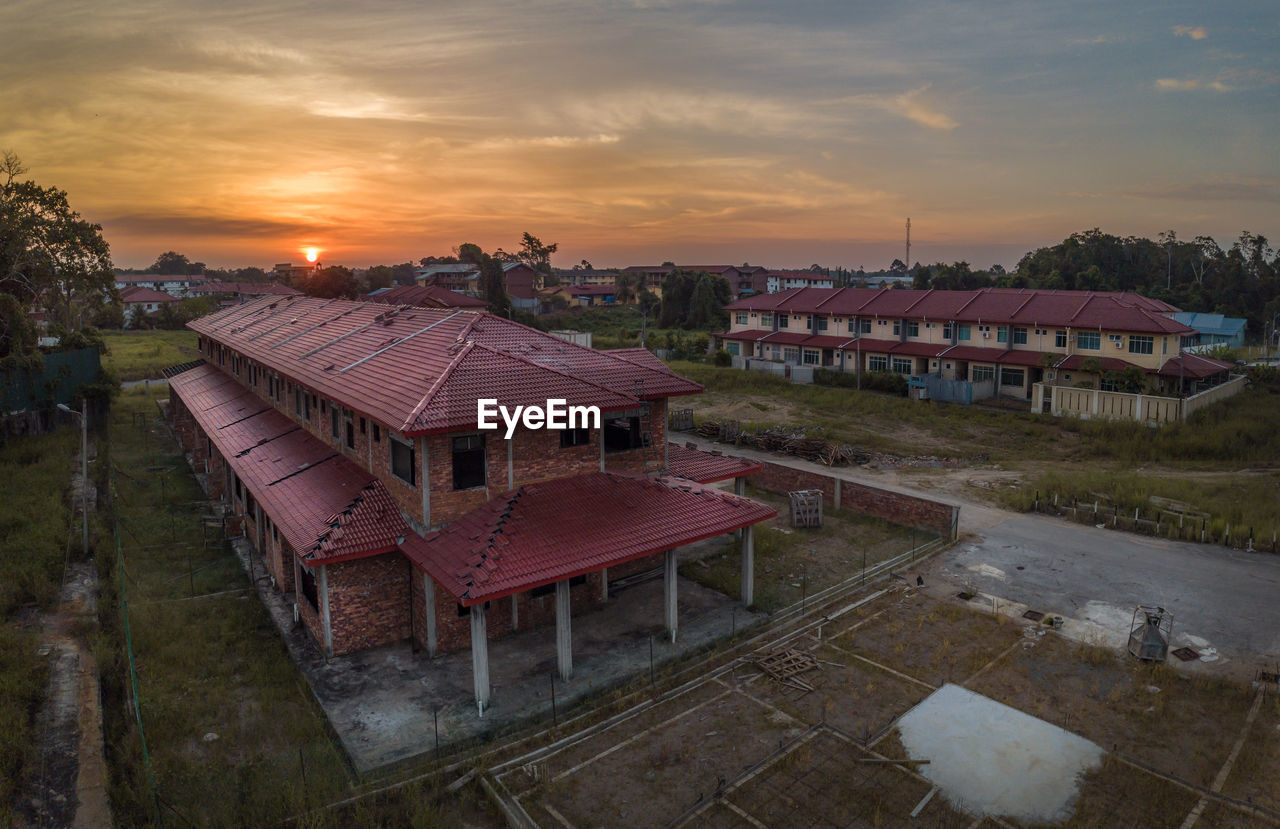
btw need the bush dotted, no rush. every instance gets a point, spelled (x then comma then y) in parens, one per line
(722, 358)
(886, 381)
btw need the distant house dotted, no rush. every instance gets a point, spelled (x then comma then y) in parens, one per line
(425, 296)
(556, 297)
(456, 276)
(743, 279)
(176, 285)
(520, 281)
(1065, 352)
(776, 281)
(289, 272)
(139, 301)
(1213, 330)
(587, 296)
(234, 293)
(587, 277)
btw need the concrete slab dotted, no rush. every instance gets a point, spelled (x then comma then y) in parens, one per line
(992, 760)
(385, 703)
(1222, 599)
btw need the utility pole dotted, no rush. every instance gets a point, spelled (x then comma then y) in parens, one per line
(907, 261)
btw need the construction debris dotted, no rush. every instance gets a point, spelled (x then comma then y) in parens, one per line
(806, 507)
(785, 666)
(796, 442)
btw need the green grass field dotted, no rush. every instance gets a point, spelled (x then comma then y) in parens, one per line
(1224, 461)
(139, 355)
(35, 539)
(216, 665)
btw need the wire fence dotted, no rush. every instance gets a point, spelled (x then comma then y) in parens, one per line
(1161, 523)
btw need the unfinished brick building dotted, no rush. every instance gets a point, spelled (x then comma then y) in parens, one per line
(344, 436)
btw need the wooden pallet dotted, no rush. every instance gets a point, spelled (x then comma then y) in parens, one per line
(786, 665)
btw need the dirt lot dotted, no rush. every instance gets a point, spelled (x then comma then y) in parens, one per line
(794, 562)
(744, 749)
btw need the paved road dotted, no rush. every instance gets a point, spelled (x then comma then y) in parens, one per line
(1220, 598)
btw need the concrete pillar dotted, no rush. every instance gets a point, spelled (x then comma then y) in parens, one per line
(669, 592)
(425, 483)
(739, 488)
(324, 610)
(604, 585)
(429, 592)
(511, 464)
(748, 566)
(564, 634)
(480, 655)
(601, 431)
(1137, 409)
(515, 612)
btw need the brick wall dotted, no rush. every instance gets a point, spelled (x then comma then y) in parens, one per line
(652, 458)
(908, 510)
(368, 602)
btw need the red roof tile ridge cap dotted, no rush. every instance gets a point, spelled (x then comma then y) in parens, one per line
(1018, 310)
(921, 299)
(435, 387)
(972, 299)
(1084, 303)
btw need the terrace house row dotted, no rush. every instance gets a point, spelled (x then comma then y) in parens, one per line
(1014, 338)
(344, 436)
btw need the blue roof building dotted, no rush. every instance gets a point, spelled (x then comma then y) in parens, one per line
(1214, 329)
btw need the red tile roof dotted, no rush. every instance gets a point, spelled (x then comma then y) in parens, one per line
(1193, 366)
(1076, 361)
(787, 337)
(874, 346)
(245, 289)
(914, 349)
(327, 507)
(707, 467)
(1022, 358)
(139, 294)
(545, 532)
(997, 306)
(420, 370)
(973, 353)
(426, 296)
(753, 334)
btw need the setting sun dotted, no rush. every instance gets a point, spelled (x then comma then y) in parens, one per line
(312, 253)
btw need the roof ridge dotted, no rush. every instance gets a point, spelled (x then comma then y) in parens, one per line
(435, 387)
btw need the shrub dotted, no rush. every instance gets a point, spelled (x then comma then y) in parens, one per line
(722, 358)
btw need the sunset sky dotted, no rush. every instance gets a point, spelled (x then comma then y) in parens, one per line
(779, 133)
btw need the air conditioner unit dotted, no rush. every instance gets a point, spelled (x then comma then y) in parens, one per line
(986, 335)
(1119, 344)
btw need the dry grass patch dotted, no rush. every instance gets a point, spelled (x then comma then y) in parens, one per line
(1182, 725)
(792, 563)
(658, 777)
(933, 640)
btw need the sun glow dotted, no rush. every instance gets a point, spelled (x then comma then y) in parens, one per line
(312, 254)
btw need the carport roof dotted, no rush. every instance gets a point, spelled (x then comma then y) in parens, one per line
(546, 532)
(686, 461)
